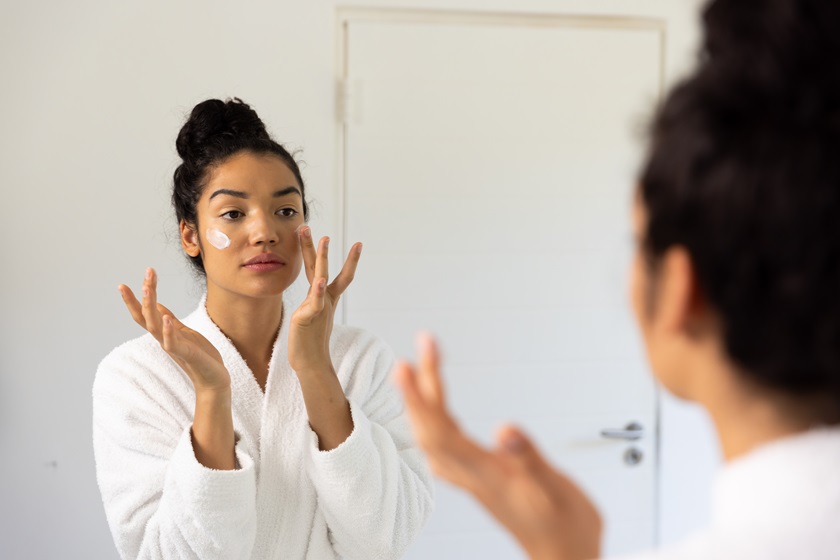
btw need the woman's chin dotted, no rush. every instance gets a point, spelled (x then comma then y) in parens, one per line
(260, 287)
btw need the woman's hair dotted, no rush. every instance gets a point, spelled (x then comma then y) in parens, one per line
(744, 172)
(215, 131)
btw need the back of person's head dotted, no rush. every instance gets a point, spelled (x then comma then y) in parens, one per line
(744, 172)
(215, 131)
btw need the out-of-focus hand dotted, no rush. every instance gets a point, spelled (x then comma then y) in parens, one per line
(544, 510)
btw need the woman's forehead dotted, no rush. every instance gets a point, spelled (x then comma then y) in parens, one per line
(251, 175)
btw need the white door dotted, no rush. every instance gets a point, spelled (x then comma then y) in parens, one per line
(488, 168)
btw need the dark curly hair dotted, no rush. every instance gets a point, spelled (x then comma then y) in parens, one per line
(744, 172)
(215, 131)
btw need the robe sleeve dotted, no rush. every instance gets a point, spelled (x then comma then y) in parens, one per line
(375, 489)
(160, 502)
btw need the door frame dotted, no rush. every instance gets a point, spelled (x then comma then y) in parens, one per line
(345, 16)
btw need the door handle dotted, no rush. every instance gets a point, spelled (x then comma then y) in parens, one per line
(631, 431)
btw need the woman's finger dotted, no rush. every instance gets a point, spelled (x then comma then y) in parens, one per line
(150, 311)
(348, 271)
(313, 305)
(134, 307)
(514, 442)
(517, 446)
(452, 455)
(322, 259)
(174, 341)
(428, 423)
(318, 294)
(169, 342)
(406, 380)
(432, 423)
(307, 249)
(163, 310)
(429, 380)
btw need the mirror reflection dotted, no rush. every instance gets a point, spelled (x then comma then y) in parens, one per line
(514, 175)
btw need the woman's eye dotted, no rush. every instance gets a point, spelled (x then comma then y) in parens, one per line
(232, 214)
(287, 212)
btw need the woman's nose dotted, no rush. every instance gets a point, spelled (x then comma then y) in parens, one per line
(263, 232)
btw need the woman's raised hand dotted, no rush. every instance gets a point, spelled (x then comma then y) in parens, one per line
(195, 354)
(311, 324)
(546, 512)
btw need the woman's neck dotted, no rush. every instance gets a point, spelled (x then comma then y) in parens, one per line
(747, 415)
(250, 323)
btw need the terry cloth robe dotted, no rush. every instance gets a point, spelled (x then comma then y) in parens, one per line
(366, 499)
(778, 502)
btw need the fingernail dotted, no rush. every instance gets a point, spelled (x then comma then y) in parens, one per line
(513, 442)
(307, 232)
(424, 342)
(148, 274)
(359, 249)
(326, 242)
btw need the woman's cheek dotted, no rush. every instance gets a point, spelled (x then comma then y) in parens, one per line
(217, 238)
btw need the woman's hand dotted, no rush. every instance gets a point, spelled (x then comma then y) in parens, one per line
(190, 350)
(212, 432)
(309, 343)
(311, 324)
(546, 512)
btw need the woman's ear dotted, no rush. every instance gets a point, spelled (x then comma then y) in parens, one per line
(681, 306)
(189, 239)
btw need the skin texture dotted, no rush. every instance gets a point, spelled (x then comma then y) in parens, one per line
(543, 509)
(247, 305)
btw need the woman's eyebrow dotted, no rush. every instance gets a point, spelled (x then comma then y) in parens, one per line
(231, 192)
(240, 194)
(287, 190)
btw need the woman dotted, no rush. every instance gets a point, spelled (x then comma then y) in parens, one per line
(250, 429)
(735, 291)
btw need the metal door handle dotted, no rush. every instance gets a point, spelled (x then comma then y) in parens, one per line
(631, 431)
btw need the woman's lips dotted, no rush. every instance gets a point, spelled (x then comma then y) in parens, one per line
(264, 266)
(265, 262)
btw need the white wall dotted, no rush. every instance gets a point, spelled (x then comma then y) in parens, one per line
(93, 95)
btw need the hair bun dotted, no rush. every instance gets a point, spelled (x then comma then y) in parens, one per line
(215, 131)
(212, 121)
(772, 46)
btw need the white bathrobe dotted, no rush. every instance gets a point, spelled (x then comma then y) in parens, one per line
(366, 499)
(779, 502)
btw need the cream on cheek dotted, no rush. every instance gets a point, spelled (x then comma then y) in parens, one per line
(217, 238)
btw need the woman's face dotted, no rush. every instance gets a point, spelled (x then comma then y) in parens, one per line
(253, 203)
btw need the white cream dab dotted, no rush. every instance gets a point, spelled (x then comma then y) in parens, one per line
(218, 239)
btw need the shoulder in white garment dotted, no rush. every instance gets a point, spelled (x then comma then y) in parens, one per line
(779, 502)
